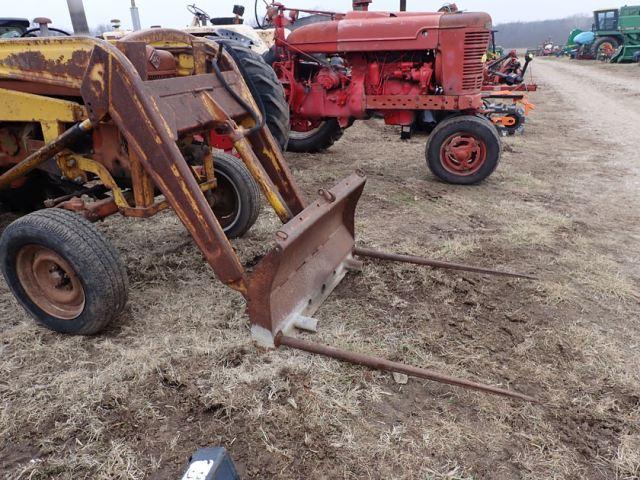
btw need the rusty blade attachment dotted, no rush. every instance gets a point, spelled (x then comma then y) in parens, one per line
(312, 254)
(377, 363)
(395, 257)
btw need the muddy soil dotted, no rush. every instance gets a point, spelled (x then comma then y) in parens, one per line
(178, 370)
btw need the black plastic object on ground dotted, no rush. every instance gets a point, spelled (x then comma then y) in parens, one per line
(211, 464)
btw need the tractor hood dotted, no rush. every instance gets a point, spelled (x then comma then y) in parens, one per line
(383, 31)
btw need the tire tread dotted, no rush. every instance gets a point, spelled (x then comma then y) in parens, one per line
(85, 240)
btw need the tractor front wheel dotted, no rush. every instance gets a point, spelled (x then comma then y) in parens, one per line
(63, 271)
(236, 199)
(309, 136)
(463, 150)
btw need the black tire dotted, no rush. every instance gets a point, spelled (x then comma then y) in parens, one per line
(265, 87)
(92, 266)
(520, 119)
(317, 140)
(236, 200)
(479, 130)
(600, 42)
(517, 113)
(270, 56)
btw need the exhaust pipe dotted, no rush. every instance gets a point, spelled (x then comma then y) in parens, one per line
(135, 16)
(78, 17)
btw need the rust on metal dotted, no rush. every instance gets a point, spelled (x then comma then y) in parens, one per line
(143, 187)
(136, 110)
(377, 363)
(307, 263)
(395, 257)
(50, 282)
(268, 152)
(33, 65)
(96, 189)
(46, 152)
(327, 195)
(92, 211)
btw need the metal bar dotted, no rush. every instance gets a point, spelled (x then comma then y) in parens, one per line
(43, 154)
(135, 16)
(377, 363)
(395, 257)
(505, 97)
(78, 17)
(270, 191)
(96, 189)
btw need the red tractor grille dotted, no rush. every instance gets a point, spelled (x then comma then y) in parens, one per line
(475, 47)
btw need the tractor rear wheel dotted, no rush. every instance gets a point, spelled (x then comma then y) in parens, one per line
(236, 199)
(63, 271)
(265, 87)
(313, 137)
(463, 150)
(604, 48)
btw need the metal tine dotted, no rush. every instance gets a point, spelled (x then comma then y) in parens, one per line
(378, 363)
(395, 257)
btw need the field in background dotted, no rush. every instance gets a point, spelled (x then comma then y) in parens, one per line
(178, 371)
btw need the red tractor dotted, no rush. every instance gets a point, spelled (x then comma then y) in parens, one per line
(408, 68)
(508, 73)
(506, 103)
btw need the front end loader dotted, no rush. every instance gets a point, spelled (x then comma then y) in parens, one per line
(98, 128)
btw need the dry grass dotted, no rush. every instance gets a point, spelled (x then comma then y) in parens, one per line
(178, 371)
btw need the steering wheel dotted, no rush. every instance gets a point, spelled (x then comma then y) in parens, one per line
(197, 11)
(31, 32)
(261, 25)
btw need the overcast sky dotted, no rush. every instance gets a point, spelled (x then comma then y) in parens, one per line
(172, 13)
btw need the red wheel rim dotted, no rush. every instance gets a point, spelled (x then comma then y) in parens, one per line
(606, 49)
(302, 128)
(50, 282)
(463, 154)
(304, 125)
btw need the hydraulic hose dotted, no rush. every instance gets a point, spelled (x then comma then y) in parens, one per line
(258, 119)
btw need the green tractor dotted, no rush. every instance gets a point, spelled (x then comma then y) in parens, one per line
(617, 34)
(494, 51)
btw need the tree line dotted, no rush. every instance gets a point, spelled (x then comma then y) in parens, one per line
(532, 34)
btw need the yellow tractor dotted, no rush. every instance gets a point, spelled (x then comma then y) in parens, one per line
(90, 128)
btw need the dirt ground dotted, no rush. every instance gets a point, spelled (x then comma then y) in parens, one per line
(178, 370)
